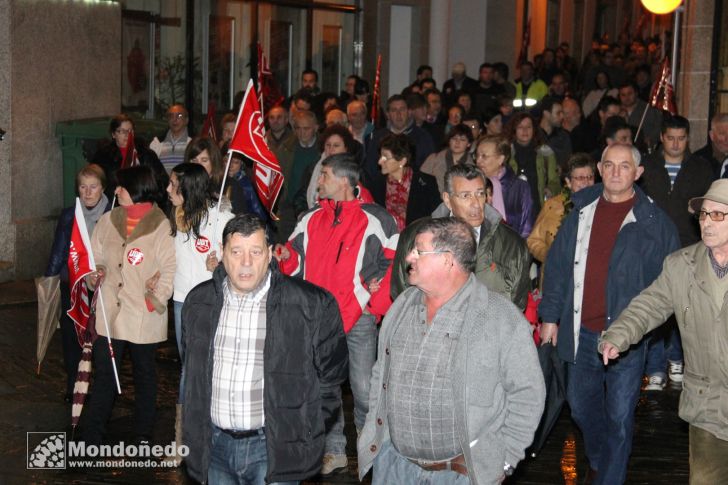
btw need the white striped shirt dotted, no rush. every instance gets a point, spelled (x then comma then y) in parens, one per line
(237, 373)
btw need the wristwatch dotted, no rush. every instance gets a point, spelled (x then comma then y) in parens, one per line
(508, 469)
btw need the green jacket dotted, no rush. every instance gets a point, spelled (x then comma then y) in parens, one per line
(547, 172)
(502, 259)
(682, 288)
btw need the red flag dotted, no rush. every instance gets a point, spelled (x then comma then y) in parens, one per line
(132, 157)
(663, 96)
(377, 89)
(249, 139)
(80, 264)
(525, 42)
(269, 94)
(208, 128)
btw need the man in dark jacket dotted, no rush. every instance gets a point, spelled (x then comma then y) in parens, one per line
(502, 258)
(263, 354)
(399, 121)
(716, 151)
(610, 247)
(672, 177)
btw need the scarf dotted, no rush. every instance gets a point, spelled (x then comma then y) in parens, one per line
(134, 214)
(92, 214)
(498, 203)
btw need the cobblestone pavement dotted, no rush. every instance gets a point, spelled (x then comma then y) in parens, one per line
(34, 403)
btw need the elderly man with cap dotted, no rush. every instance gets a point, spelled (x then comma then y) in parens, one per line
(693, 286)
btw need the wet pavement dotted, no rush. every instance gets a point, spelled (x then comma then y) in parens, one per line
(34, 403)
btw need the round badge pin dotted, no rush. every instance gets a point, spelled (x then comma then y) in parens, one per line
(202, 244)
(135, 256)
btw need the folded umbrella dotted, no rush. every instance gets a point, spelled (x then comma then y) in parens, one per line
(49, 312)
(80, 388)
(554, 374)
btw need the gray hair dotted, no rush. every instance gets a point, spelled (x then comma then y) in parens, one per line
(343, 165)
(466, 170)
(454, 235)
(718, 118)
(636, 156)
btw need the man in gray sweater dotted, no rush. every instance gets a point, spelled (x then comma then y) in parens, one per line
(457, 391)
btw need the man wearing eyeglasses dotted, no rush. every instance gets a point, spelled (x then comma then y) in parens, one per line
(672, 177)
(457, 391)
(171, 150)
(502, 258)
(609, 248)
(693, 286)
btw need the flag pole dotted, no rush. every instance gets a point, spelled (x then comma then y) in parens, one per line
(92, 265)
(108, 338)
(639, 127)
(219, 198)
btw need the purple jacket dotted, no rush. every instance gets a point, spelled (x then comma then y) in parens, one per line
(518, 203)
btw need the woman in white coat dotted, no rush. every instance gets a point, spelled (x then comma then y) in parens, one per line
(197, 239)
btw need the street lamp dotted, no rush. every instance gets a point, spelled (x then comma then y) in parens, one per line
(661, 6)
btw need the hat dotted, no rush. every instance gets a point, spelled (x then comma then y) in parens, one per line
(718, 192)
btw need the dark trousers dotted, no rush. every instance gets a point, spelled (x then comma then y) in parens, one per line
(103, 392)
(71, 351)
(602, 400)
(69, 340)
(708, 453)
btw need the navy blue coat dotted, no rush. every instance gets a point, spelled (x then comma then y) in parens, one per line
(58, 262)
(634, 264)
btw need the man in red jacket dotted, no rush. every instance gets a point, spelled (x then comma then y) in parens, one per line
(346, 247)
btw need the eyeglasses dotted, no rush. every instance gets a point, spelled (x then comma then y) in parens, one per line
(484, 156)
(175, 116)
(468, 196)
(715, 216)
(122, 131)
(583, 178)
(417, 253)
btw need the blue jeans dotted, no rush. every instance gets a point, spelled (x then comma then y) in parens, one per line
(178, 334)
(391, 467)
(664, 345)
(362, 343)
(602, 400)
(238, 461)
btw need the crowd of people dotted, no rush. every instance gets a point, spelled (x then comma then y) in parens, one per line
(404, 254)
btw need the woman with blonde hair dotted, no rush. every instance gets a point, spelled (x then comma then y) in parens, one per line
(90, 185)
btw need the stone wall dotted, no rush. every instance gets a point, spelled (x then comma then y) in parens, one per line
(693, 82)
(58, 61)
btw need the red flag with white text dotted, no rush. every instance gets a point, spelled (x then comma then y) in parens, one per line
(663, 96)
(208, 127)
(376, 94)
(132, 157)
(249, 139)
(80, 263)
(269, 94)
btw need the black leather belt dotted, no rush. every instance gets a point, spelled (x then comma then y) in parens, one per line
(248, 433)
